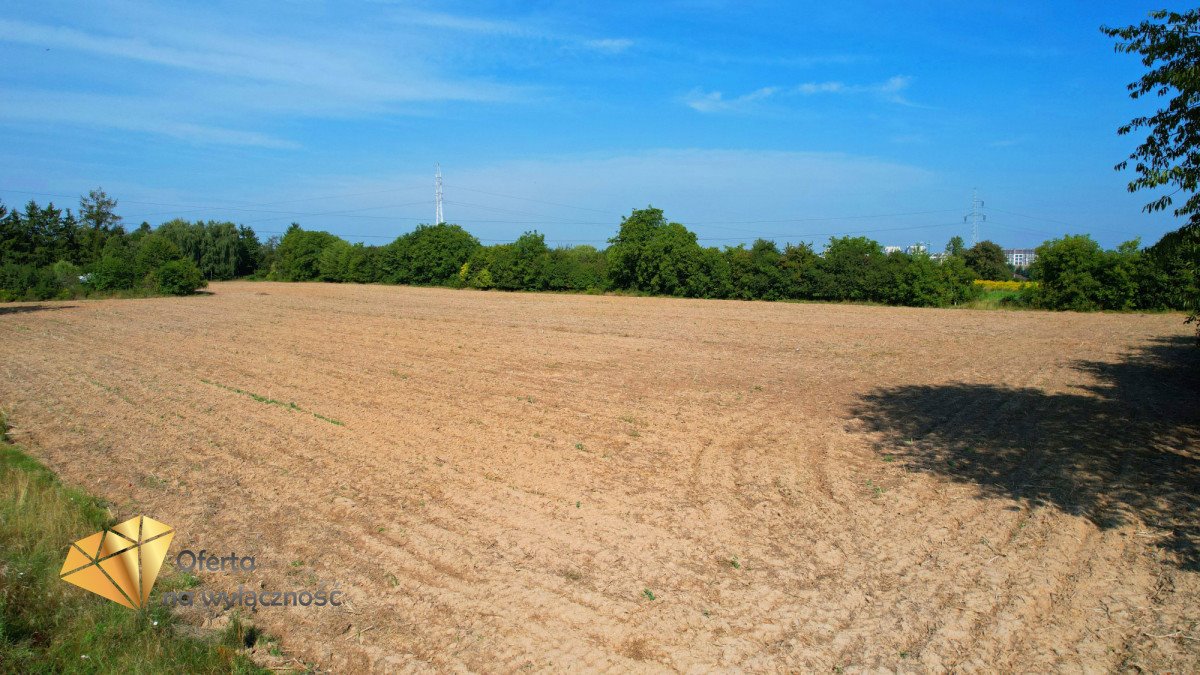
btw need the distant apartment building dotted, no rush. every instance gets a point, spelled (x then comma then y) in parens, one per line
(1020, 257)
(911, 249)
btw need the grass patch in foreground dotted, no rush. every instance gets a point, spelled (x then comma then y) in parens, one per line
(50, 626)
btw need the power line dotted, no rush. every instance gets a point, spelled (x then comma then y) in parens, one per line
(527, 199)
(821, 219)
(517, 212)
(548, 220)
(1045, 220)
(1062, 222)
(349, 212)
(808, 235)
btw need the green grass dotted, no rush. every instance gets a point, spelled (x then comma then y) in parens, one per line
(270, 401)
(50, 626)
(998, 299)
(876, 489)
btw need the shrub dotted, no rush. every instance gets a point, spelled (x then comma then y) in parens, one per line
(851, 269)
(179, 277)
(298, 255)
(66, 274)
(482, 280)
(577, 268)
(757, 272)
(111, 273)
(15, 279)
(332, 261)
(430, 254)
(153, 250)
(987, 260)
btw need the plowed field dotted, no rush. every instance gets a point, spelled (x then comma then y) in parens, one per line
(552, 482)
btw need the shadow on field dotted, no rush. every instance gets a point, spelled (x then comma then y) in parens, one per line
(1126, 447)
(24, 309)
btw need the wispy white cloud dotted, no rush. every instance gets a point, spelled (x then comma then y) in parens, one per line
(609, 45)
(143, 115)
(353, 75)
(715, 101)
(457, 22)
(890, 90)
(530, 28)
(820, 88)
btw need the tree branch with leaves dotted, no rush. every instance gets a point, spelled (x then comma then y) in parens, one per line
(1169, 44)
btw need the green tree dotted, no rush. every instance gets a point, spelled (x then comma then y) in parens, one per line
(799, 265)
(959, 280)
(712, 277)
(152, 252)
(250, 252)
(430, 254)
(179, 277)
(757, 273)
(1070, 270)
(97, 212)
(332, 261)
(221, 250)
(578, 268)
(1171, 276)
(111, 272)
(917, 281)
(668, 262)
(652, 255)
(1121, 273)
(66, 275)
(987, 260)
(956, 246)
(850, 269)
(1169, 44)
(361, 264)
(523, 265)
(298, 256)
(628, 247)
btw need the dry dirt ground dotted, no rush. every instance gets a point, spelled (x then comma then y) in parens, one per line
(554, 482)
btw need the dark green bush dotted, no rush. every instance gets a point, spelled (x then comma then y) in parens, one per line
(851, 269)
(987, 260)
(298, 256)
(153, 251)
(430, 254)
(178, 277)
(111, 273)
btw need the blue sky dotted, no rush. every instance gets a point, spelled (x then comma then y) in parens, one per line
(793, 121)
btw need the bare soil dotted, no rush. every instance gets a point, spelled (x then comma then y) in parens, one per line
(552, 482)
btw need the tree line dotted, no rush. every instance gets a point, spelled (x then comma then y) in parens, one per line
(653, 256)
(47, 253)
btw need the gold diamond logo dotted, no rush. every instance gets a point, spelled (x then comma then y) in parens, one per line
(120, 563)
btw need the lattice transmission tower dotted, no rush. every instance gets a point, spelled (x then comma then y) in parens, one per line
(439, 218)
(976, 216)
